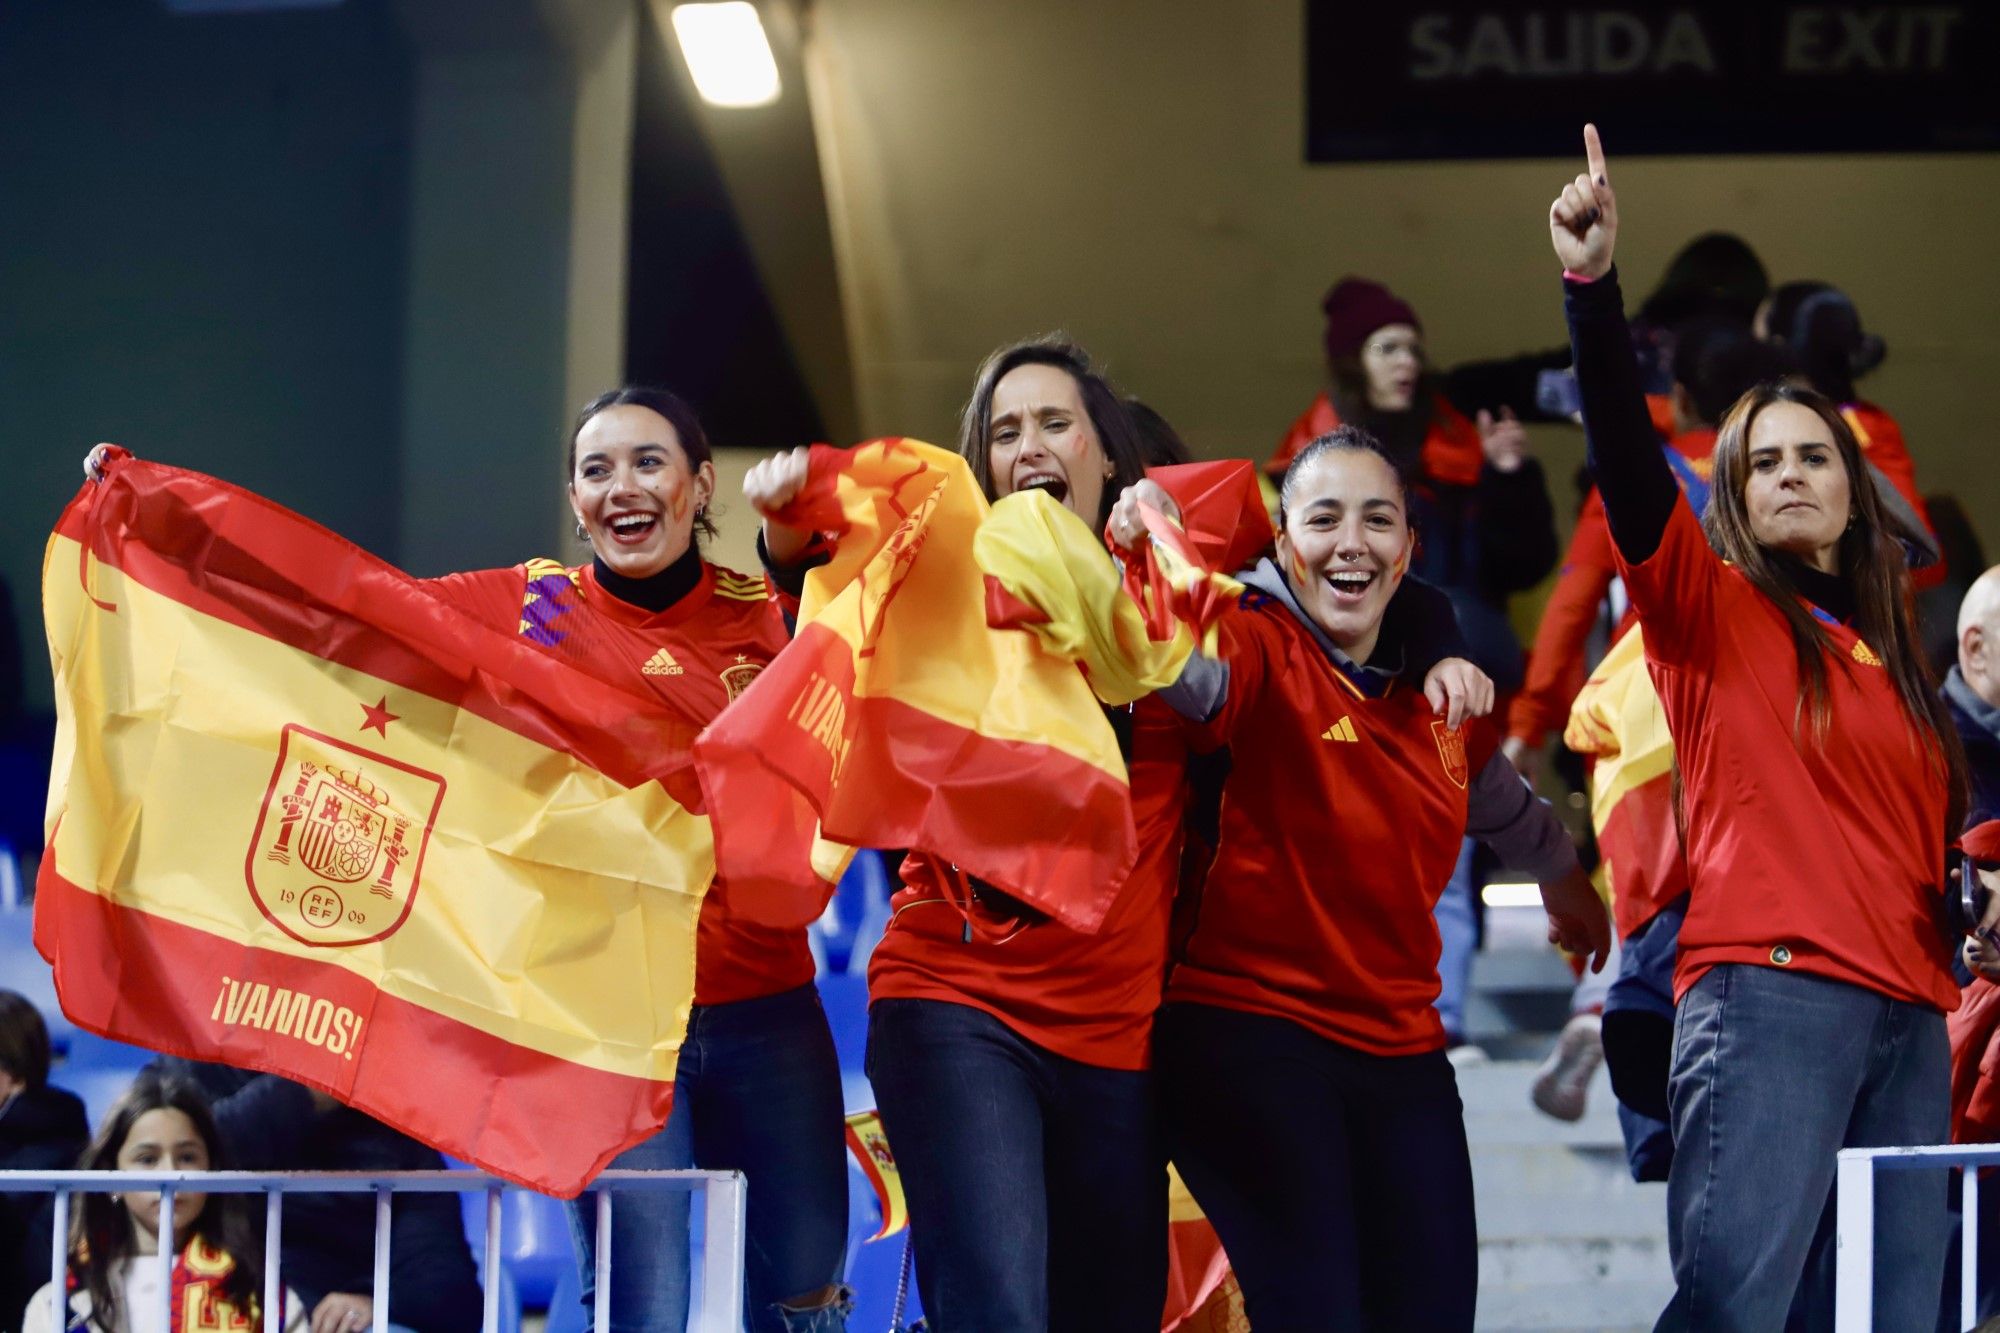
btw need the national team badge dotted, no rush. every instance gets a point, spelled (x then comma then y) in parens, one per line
(339, 846)
(736, 679)
(1451, 751)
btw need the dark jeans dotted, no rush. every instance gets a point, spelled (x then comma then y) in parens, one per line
(757, 1090)
(1338, 1181)
(1774, 1073)
(1037, 1185)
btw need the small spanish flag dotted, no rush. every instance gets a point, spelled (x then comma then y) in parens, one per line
(900, 718)
(307, 818)
(870, 1146)
(1617, 719)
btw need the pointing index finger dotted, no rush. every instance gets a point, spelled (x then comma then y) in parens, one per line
(1593, 152)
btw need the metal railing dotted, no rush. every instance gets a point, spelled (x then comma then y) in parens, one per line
(1854, 1225)
(720, 1309)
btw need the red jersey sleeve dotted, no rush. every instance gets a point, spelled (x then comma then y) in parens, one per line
(1674, 590)
(493, 597)
(1244, 645)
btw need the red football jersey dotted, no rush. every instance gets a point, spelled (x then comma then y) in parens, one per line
(700, 652)
(1341, 823)
(1826, 858)
(1090, 998)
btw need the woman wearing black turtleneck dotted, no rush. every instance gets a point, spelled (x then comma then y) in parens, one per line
(1820, 783)
(757, 1088)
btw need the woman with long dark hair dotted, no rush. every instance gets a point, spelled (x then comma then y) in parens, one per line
(1821, 782)
(162, 1123)
(757, 1087)
(1012, 1055)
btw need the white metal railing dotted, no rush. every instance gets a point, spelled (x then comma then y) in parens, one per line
(720, 1309)
(1854, 1225)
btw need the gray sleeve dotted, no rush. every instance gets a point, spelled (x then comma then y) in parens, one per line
(1201, 690)
(1520, 827)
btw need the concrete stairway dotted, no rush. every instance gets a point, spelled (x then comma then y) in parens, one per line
(1567, 1240)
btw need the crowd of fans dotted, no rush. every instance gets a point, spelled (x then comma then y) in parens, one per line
(1300, 1071)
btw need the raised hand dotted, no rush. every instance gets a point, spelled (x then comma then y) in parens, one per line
(774, 483)
(1126, 528)
(93, 462)
(1583, 221)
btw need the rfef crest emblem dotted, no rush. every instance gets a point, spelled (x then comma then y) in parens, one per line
(736, 679)
(339, 846)
(1451, 752)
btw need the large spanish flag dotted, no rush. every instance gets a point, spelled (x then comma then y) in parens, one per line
(307, 818)
(1617, 719)
(900, 718)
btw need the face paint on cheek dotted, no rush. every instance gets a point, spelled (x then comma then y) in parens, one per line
(678, 505)
(1402, 565)
(1299, 576)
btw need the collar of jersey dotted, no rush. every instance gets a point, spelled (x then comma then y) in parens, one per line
(626, 613)
(1370, 682)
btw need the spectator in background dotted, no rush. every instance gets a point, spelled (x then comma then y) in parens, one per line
(161, 1124)
(1972, 692)
(273, 1124)
(41, 1129)
(1715, 276)
(1820, 330)
(1482, 505)
(1964, 558)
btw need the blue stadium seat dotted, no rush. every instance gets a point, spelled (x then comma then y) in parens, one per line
(846, 932)
(844, 995)
(873, 1267)
(566, 1312)
(98, 1085)
(22, 970)
(87, 1050)
(534, 1240)
(510, 1299)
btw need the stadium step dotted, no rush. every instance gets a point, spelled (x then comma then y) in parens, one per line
(1567, 1240)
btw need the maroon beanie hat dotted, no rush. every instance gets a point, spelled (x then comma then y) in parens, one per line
(1356, 308)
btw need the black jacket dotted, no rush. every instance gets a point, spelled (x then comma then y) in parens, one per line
(41, 1129)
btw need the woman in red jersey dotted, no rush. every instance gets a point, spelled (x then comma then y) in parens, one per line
(1820, 780)
(757, 1088)
(1013, 1064)
(1308, 1100)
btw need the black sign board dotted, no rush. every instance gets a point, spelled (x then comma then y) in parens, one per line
(1452, 79)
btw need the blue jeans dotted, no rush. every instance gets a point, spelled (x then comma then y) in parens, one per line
(1774, 1072)
(1037, 1185)
(1338, 1181)
(757, 1090)
(1458, 936)
(1639, 1039)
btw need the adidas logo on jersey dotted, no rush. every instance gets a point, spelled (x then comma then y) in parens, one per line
(1342, 730)
(1863, 654)
(662, 664)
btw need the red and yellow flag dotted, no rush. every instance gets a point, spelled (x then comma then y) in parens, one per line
(869, 1143)
(307, 818)
(1617, 719)
(900, 718)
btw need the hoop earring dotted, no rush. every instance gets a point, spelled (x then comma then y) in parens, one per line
(580, 533)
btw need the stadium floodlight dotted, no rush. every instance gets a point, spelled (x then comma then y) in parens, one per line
(727, 53)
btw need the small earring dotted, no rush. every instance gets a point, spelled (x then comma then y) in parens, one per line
(581, 534)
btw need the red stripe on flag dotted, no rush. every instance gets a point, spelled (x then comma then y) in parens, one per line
(1045, 826)
(239, 558)
(1643, 845)
(533, 1118)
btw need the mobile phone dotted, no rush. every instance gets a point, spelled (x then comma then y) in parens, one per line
(1556, 394)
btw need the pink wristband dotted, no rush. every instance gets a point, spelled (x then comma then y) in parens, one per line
(1569, 276)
